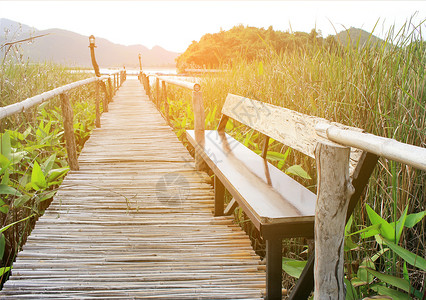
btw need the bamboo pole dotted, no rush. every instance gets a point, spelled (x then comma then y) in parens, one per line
(199, 121)
(166, 103)
(391, 149)
(333, 194)
(181, 83)
(22, 106)
(98, 113)
(157, 91)
(71, 147)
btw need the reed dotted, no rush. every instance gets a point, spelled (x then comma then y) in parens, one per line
(33, 157)
(379, 87)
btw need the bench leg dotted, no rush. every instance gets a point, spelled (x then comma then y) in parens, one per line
(274, 269)
(219, 197)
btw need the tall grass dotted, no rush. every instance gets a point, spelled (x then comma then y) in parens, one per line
(379, 87)
(33, 148)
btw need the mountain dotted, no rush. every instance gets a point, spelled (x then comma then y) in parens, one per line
(70, 48)
(357, 36)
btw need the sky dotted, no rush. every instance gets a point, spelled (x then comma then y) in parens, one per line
(173, 25)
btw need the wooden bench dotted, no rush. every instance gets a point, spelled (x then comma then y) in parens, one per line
(278, 206)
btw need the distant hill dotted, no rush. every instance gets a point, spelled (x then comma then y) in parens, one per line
(66, 47)
(356, 36)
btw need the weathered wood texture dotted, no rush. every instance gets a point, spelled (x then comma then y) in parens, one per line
(334, 192)
(68, 117)
(135, 222)
(284, 125)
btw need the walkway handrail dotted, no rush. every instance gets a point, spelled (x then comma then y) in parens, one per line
(67, 112)
(389, 148)
(181, 83)
(197, 105)
(22, 106)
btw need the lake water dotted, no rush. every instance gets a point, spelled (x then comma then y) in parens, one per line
(147, 70)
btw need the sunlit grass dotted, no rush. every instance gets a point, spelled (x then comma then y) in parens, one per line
(379, 88)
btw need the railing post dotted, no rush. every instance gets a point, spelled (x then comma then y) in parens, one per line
(333, 195)
(115, 84)
(98, 113)
(157, 88)
(199, 121)
(148, 88)
(68, 120)
(166, 103)
(106, 97)
(111, 88)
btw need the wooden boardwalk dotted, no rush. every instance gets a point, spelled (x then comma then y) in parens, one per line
(135, 222)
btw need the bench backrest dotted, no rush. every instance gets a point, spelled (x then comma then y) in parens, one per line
(286, 126)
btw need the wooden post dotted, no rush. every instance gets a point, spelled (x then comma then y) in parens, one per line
(68, 120)
(148, 88)
(98, 113)
(115, 84)
(219, 197)
(199, 121)
(274, 272)
(333, 194)
(110, 88)
(157, 96)
(166, 103)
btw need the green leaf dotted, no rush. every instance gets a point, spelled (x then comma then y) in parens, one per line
(47, 165)
(297, 170)
(348, 226)
(368, 231)
(385, 228)
(400, 224)
(14, 223)
(5, 178)
(8, 190)
(394, 294)
(397, 282)
(16, 157)
(405, 271)
(20, 201)
(4, 161)
(5, 147)
(4, 208)
(413, 219)
(46, 196)
(363, 274)
(37, 177)
(4, 270)
(351, 293)
(2, 245)
(409, 257)
(293, 267)
(56, 173)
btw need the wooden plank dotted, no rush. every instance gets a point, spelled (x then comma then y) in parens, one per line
(284, 125)
(112, 231)
(267, 195)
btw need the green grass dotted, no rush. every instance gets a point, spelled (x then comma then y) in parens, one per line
(380, 88)
(33, 156)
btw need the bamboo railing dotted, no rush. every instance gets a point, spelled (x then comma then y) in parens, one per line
(67, 112)
(197, 105)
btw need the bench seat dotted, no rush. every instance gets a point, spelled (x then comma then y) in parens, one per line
(273, 200)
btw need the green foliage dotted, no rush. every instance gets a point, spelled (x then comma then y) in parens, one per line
(226, 47)
(293, 267)
(379, 88)
(32, 155)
